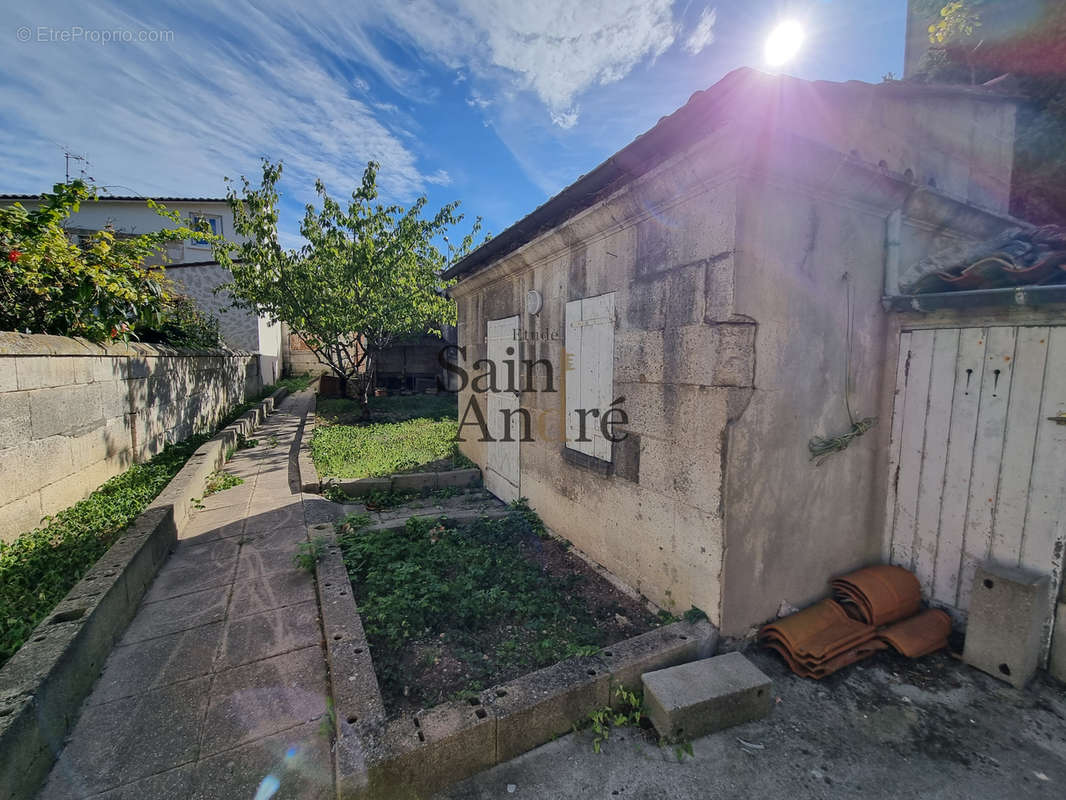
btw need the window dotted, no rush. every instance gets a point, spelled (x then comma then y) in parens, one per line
(589, 373)
(214, 224)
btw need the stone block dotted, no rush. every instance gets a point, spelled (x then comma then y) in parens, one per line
(663, 647)
(461, 478)
(694, 699)
(1057, 662)
(20, 516)
(8, 377)
(414, 481)
(14, 418)
(535, 708)
(42, 372)
(1009, 607)
(70, 410)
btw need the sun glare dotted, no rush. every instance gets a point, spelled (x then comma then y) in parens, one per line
(783, 43)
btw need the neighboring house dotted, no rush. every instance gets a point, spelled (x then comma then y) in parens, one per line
(190, 264)
(700, 279)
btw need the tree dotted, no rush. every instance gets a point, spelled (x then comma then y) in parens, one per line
(101, 288)
(974, 41)
(369, 275)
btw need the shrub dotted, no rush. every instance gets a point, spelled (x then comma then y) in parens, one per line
(102, 288)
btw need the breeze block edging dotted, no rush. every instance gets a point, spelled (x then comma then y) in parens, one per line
(414, 756)
(43, 685)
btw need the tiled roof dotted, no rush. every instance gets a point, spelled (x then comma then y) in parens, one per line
(1016, 257)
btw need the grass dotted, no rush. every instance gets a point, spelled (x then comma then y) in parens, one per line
(40, 567)
(469, 593)
(405, 434)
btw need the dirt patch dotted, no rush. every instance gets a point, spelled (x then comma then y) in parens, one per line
(453, 610)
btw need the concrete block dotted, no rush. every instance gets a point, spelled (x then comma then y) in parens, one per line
(663, 647)
(363, 486)
(533, 709)
(414, 481)
(417, 756)
(694, 699)
(1057, 662)
(1009, 607)
(461, 478)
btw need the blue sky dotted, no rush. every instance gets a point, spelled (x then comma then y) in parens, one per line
(496, 103)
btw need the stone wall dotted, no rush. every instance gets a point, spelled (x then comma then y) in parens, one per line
(73, 414)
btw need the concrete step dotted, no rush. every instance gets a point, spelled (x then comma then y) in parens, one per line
(694, 699)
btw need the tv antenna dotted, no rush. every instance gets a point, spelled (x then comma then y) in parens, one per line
(69, 156)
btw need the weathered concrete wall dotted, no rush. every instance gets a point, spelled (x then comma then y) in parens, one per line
(73, 414)
(683, 362)
(805, 219)
(296, 358)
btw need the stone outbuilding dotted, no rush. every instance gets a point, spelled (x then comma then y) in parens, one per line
(723, 281)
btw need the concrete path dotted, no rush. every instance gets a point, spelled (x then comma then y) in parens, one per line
(218, 687)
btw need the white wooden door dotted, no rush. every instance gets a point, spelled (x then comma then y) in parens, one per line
(977, 469)
(501, 469)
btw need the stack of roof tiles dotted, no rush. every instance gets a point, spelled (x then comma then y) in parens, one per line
(872, 609)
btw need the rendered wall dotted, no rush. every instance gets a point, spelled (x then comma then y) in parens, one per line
(73, 414)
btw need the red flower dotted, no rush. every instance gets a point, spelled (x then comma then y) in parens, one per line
(13, 256)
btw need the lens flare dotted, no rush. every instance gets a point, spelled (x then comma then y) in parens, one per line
(783, 43)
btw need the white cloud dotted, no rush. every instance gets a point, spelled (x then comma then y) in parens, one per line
(556, 49)
(170, 118)
(703, 34)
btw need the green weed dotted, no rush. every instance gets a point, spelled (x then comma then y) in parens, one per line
(220, 481)
(308, 554)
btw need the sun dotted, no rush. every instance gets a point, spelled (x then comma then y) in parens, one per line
(783, 43)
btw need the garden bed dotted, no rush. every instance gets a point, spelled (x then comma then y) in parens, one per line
(450, 610)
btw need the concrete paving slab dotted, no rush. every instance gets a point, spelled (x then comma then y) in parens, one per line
(288, 516)
(292, 765)
(174, 783)
(268, 593)
(129, 739)
(136, 668)
(177, 580)
(269, 633)
(257, 562)
(234, 668)
(193, 552)
(263, 698)
(177, 614)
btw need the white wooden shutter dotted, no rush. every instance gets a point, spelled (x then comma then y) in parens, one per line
(589, 371)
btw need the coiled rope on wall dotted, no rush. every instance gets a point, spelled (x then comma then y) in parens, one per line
(821, 447)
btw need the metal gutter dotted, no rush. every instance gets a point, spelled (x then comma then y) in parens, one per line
(1024, 296)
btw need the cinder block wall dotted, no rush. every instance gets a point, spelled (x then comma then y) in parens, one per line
(73, 413)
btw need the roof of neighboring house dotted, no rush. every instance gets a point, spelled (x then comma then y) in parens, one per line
(127, 197)
(675, 133)
(1019, 256)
